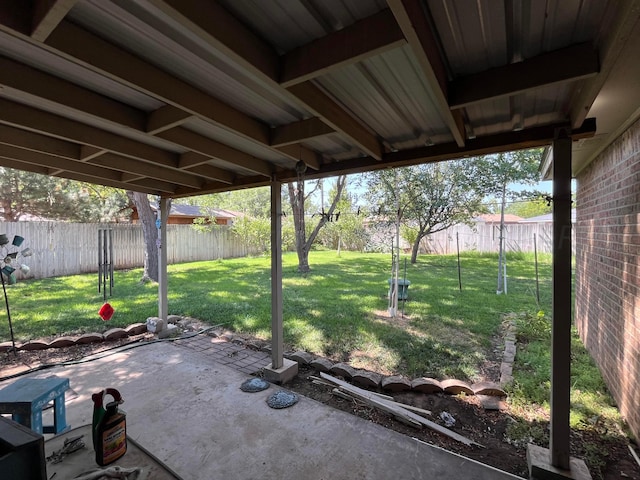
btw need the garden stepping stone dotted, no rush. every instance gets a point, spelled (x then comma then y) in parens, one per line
(89, 338)
(34, 345)
(367, 379)
(396, 383)
(343, 370)
(488, 388)
(136, 329)
(115, 333)
(303, 358)
(282, 399)
(254, 385)
(426, 385)
(456, 387)
(321, 364)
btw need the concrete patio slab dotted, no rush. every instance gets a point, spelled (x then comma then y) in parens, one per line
(188, 411)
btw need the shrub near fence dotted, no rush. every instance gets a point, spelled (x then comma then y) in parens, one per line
(484, 237)
(71, 248)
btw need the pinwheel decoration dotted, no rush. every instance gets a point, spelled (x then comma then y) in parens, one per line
(10, 254)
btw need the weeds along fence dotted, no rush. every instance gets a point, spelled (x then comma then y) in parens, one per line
(484, 237)
(72, 248)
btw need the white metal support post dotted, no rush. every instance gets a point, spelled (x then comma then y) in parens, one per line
(277, 336)
(162, 259)
(561, 328)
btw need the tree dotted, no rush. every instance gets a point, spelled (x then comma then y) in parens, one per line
(501, 172)
(344, 229)
(150, 233)
(26, 193)
(429, 197)
(529, 208)
(297, 199)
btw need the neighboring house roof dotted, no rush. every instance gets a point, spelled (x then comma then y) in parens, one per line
(495, 218)
(195, 211)
(547, 218)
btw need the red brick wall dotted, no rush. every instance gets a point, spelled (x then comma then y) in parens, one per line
(607, 309)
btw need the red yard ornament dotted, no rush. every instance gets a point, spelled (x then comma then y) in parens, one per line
(106, 312)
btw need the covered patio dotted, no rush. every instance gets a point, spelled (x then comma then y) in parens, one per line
(177, 98)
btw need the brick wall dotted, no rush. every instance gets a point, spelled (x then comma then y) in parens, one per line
(607, 309)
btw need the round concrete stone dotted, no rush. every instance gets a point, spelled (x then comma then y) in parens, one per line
(282, 399)
(254, 385)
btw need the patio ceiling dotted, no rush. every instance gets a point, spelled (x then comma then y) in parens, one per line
(184, 97)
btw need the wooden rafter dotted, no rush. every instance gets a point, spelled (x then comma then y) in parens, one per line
(128, 165)
(572, 63)
(503, 142)
(422, 39)
(213, 149)
(300, 131)
(367, 37)
(47, 14)
(225, 33)
(23, 116)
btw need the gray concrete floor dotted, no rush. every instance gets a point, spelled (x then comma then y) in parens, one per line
(186, 408)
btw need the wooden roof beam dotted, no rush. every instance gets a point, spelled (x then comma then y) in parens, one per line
(423, 43)
(199, 164)
(504, 142)
(572, 63)
(337, 118)
(47, 14)
(124, 164)
(213, 149)
(299, 132)
(35, 82)
(165, 118)
(367, 37)
(118, 64)
(57, 163)
(312, 159)
(225, 33)
(23, 116)
(39, 143)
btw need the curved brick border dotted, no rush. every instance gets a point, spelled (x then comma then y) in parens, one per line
(84, 339)
(392, 383)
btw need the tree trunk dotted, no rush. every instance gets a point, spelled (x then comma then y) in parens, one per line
(297, 199)
(147, 218)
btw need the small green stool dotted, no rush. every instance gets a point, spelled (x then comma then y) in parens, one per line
(26, 398)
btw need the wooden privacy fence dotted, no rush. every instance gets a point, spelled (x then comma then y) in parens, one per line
(484, 237)
(70, 248)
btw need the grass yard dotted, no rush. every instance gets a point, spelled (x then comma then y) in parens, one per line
(338, 310)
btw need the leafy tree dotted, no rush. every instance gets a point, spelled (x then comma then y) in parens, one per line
(26, 193)
(345, 228)
(429, 197)
(297, 199)
(529, 208)
(500, 172)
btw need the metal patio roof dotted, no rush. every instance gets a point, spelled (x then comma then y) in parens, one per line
(184, 97)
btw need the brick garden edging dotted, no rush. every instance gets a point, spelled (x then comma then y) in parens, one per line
(363, 378)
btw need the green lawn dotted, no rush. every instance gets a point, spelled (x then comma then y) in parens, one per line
(338, 310)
